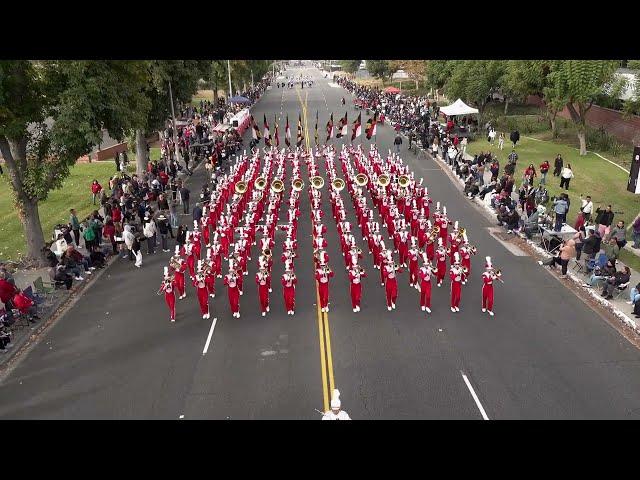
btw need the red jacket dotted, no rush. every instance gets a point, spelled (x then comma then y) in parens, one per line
(22, 302)
(7, 290)
(96, 187)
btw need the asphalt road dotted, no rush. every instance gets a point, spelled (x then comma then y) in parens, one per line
(545, 355)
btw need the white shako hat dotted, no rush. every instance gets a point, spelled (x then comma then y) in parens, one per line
(335, 399)
(429, 223)
(166, 272)
(177, 250)
(199, 265)
(464, 237)
(455, 225)
(421, 180)
(488, 264)
(209, 253)
(425, 259)
(457, 258)
(437, 206)
(195, 225)
(440, 242)
(444, 211)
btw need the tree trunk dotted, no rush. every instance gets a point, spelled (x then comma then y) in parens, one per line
(215, 91)
(30, 218)
(141, 153)
(554, 131)
(416, 84)
(583, 141)
(506, 105)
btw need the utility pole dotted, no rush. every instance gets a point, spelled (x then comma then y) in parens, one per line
(175, 130)
(229, 71)
(252, 78)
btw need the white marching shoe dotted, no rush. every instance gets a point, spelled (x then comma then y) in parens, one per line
(173, 320)
(427, 309)
(212, 295)
(453, 309)
(423, 308)
(358, 307)
(389, 308)
(241, 293)
(440, 284)
(457, 309)
(270, 290)
(484, 310)
(264, 313)
(490, 313)
(268, 309)
(355, 310)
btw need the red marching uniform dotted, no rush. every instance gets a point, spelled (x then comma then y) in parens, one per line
(488, 277)
(323, 287)
(441, 264)
(413, 265)
(355, 277)
(289, 282)
(425, 273)
(231, 281)
(203, 294)
(391, 284)
(263, 291)
(168, 287)
(456, 275)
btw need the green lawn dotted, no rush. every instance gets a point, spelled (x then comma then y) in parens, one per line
(606, 183)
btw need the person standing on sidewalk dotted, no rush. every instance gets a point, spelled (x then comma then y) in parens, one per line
(149, 230)
(636, 232)
(397, 142)
(184, 195)
(95, 190)
(604, 219)
(164, 228)
(560, 207)
(75, 226)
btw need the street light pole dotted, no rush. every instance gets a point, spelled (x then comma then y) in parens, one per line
(229, 71)
(175, 130)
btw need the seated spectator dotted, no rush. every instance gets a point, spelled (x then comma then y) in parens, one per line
(601, 274)
(579, 238)
(512, 220)
(25, 305)
(61, 245)
(619, 278)
(530, 224)
(7, 291)
(80, 259)
(611, 249)
(97, 257)
(619, 233)
(634, 295)
(59, 276)
(71, 266)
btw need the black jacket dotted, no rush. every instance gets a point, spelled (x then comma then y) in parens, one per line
(589, 244)
(604, 217)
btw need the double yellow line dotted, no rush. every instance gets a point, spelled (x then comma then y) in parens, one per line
(326, 360)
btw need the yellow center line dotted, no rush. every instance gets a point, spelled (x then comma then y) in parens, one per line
(326, 361)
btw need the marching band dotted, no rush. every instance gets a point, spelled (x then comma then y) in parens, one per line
(244, 208)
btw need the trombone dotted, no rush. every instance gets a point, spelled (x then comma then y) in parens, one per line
(317, 182)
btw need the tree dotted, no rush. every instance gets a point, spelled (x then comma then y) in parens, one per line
(416, 69)
(379, 68)
(475, 81)
(350, 66)
(577, 83)
(52, 113)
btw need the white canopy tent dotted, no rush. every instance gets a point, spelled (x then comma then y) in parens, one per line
(458, 108)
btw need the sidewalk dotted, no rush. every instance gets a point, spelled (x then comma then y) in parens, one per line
(617, 305)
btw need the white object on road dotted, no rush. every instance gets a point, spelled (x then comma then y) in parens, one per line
(475, 397)
(213, 326)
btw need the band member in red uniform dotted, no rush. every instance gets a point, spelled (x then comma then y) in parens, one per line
(425, 273)
(289, 281)
(455, 241)
(390, 271)
(201, 287)
(191, 260)
(441, 262)
(231, 281)
(431, 238)
(323, 274)
(413, 263)
(263, 290)
(456, 275)
(466, 250)
(196, 240)
(356, 273)
(168, 287)
(488, 277)
(180, 268)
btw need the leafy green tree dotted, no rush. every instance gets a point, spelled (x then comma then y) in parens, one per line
(578, 83)
(350, 66)
(52, 113)
(379, 68)
(474, 81)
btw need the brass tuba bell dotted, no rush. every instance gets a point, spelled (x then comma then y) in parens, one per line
(317, 182)
(267, 252)
(277, 186)
(383, 180)
(297, 184)
(241, 187)
(403, 181)
(260, 183)
(338, 184)
(361, 179)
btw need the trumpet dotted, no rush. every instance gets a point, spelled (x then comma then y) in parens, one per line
(338, 184)
(461, 232)
(241, 187)
(326, 270)
(404, 181)
(297, 184)
(174, 264)
(277, 186)
(383, 180)
(361, 270)
(361, 179)
(317, 182)
(472, 249)
(260, 183)
(358, 249)
(165, 283)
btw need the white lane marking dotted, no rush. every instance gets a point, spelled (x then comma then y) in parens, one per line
(206, 346)
(475, 397)
(334, 85)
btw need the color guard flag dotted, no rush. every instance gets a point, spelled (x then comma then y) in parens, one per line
(275, 134)
(256, 130)
(287, 133)
(345, 125)
(267, 133)
(300, 136)
(371, 126)
(342, 126)
(316, 132)
(330, 128)
(357, 128)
